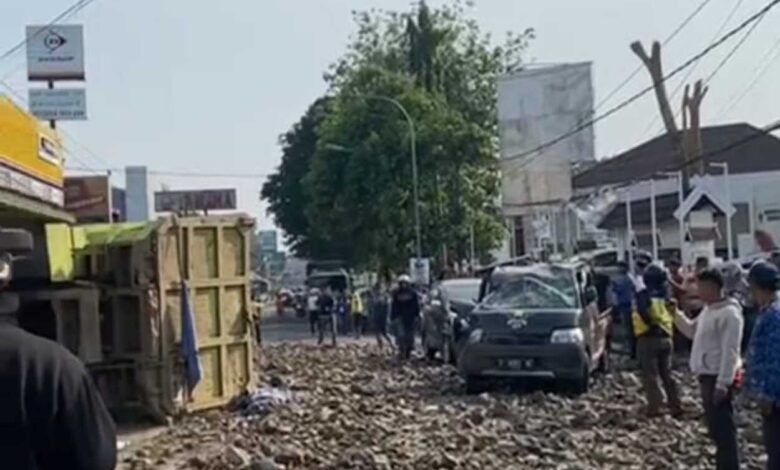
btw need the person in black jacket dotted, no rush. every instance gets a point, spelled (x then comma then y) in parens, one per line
(327, 316)
(404, 313)
(51, 414)
(52, 417)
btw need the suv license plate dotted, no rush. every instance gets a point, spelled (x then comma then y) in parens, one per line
(520, 363)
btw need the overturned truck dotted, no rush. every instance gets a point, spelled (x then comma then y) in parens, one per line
(128, 279)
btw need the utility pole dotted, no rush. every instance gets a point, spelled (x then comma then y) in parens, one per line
(654, 66)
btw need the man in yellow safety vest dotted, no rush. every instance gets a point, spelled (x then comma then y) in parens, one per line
(653, 326)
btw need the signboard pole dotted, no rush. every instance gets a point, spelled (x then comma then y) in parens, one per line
(52, 122)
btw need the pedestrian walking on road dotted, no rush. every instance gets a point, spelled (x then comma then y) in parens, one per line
(327, 316)
(379, 311)
(653, 326)
(763, 360)
(715, 359)
(358, 314)
(405, 312)
(623, 288)
(343, 316)
(313, 308)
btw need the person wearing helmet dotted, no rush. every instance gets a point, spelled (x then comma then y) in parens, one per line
(653, 327)
(404, 312)
(763, 359)
(52, 415)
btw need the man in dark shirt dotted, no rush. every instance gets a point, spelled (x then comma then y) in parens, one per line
(51, 416)
(405, 311)
(327, 316)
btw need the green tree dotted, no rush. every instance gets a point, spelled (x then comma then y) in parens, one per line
(284, 191)
(357, 191)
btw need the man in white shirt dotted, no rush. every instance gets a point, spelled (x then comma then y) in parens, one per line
(715, 359)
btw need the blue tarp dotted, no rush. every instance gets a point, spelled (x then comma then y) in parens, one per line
(189, 340)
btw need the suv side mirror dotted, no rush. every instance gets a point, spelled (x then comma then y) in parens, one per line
(591, 294)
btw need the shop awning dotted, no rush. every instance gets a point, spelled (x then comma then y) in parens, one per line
(15, 205)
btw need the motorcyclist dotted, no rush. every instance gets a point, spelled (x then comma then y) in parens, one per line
(52, 416)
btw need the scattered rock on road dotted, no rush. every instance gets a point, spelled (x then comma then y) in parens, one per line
(357, 409)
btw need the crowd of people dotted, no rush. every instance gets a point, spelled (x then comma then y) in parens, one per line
(334, 312)
(732, 320)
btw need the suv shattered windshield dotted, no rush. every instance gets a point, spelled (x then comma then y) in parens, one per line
(538, 288)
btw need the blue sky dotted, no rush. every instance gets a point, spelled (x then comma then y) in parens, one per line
(188, 85)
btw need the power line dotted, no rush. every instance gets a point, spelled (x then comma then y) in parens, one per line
(684, 80)
(643, 92)
(67, 13)
(63, 16)
(733, 51)
(766, 62)
(178, 174)
(706, 155)
(636, 71)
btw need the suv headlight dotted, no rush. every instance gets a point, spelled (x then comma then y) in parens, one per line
(568, 336)
(476, 336)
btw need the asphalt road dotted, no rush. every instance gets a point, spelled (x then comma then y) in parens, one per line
(285, 328)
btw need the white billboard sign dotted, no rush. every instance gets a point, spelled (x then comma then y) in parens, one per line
(55, 52)
(420, 271)
(535, 107)
(64, 104)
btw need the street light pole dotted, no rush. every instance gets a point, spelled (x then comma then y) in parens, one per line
(725, 167)
(680, 201)
(629, 231)
(415, 176)
(653, 222)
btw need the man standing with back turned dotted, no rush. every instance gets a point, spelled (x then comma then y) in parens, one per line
(715, 359)
(653, 324)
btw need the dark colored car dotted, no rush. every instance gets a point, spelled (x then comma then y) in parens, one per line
(448, 305)
(542, 322)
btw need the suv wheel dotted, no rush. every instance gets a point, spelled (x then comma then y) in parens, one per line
(579, 385)
(430, 353)
(475, 385)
